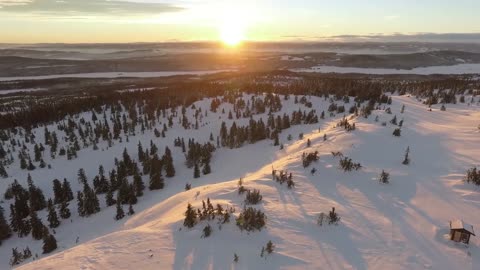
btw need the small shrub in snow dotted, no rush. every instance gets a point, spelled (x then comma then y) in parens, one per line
(253, 197)
(333, 217)
(384, 177)
(307, 159)
(207, 231)
(346, 164)
(397, 132)
(473, 176)
(406, 159)
(269, 247)
(251, 219)
(235, 258)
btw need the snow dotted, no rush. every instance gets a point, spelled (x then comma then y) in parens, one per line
(114, 75)
(48, 66)
(4, 92)
(455, 69)
(401, 225)
(291, 58)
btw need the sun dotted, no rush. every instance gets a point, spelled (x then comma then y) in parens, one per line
(232, 31)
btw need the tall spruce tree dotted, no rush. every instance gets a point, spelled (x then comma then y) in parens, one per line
(120, 213)
(49, 244)
(53, 217)
(5, 231)
(64, 210)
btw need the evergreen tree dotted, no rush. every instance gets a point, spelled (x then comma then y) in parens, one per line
(16, 258)
(196, 171)
(82, 178)
(5, 231)
(384, 177)
(37, 226)
(49, 244)
(109, 198)
(64, 210)
(120, 214)
(269, 247)
(168, 161)
(206, 168)
(3, 172)
(138, 185)
(23, 163)
(58, 195)
(67, 190)
(156, 182)
(130, 210)
(406, 160)
(53, 218)
(36, 198)
(190, 217)
(397, 132)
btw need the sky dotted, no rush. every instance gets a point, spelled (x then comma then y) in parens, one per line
(99, 21)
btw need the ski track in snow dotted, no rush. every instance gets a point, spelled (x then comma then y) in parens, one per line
(401, 225)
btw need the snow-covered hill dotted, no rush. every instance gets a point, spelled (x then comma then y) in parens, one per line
(400, 225)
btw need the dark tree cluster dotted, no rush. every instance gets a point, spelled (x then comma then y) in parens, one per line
(473, 176)
(283, 177)
(346, 125)
(253, 197)
(347, 165)
(208, 212)
(251, 219)
(307, 159)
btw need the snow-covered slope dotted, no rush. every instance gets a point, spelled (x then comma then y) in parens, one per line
(401, 225)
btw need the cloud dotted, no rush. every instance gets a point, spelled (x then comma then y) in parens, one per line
(85, 8)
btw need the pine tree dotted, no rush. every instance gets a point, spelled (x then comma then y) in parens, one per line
(156, 182)
(333, 217)
(16, 258)
(130, 210)
(109, 200)
(67, 190)
(196, 171)
(5, 231)
(23, 163)
(168, 161)
(270, 247)
(384, 177)
(36, 198)
(138, 184)
(58, 195)
(82, 178)
(207, 169)
(49, 244)
(406, 160)
(53, 218)
(64, 210)
(3, 172)
(190, 217)
(37, 226)
(120, 214)
(397, 132)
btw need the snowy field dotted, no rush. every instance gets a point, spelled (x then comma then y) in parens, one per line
(23, 90)
(114, 75)
(455, 69)
(400, 225)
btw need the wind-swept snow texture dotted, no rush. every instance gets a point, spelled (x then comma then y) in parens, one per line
(400, 225)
